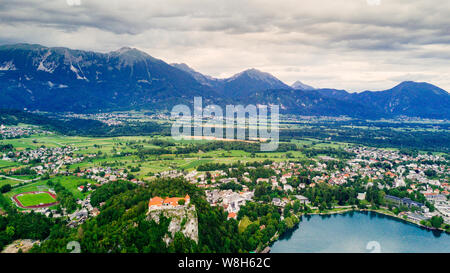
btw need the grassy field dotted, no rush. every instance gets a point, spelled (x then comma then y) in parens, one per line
(108, 147)
(72, 183)
(85, 143)
(34, 186)
(4, 181)
(28, 200)
(7, 164)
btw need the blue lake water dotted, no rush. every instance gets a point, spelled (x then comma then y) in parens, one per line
(360, 232)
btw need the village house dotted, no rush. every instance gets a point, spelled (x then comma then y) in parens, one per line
(302, 199)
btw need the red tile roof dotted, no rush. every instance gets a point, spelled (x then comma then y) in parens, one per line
(232, 215)
(158, 201)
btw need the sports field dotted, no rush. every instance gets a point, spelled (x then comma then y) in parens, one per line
(35, 199)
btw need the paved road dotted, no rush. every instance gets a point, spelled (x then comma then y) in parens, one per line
(20, 180)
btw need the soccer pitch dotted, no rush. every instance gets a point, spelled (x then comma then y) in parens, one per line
(35, 199)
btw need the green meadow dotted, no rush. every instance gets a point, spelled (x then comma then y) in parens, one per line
(7, 164)
(71, 183)
(111, 150)
(4, 181)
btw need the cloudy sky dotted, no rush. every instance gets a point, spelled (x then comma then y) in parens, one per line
(350, 44)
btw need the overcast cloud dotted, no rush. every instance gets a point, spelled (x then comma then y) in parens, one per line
(350, 44)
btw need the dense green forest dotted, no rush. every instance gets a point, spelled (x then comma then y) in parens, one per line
(16, 225)
(79, 127)
(122, 225)
(370, 134)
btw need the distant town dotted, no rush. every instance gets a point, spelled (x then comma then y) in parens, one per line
(71, 179)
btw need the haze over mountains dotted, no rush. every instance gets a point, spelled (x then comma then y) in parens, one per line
(36, 77)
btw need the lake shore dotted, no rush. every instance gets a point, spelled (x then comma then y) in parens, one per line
(384, 212)
(349, 231)
(379, 211)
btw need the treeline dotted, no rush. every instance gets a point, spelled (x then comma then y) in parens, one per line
(6, 148)
(5, 188)
(387, 136)
(81, 127)
(211, 146)
(17, 225)
(231, 145)
(265, 223)
(222, 166)
(106, 191)
(160, 142)
(64, 196)
(5, 204)
(325, 196)
(231, 186)
(332, 152)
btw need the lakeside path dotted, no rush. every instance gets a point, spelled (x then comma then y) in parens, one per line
(20, 180)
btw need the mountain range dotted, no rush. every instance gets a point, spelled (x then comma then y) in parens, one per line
(57, 79)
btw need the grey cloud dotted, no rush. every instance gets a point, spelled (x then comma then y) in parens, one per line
(347, 42)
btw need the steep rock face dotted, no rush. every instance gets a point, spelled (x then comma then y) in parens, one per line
(60, 79)
(238, 86)
(183, 219)
(203, 79)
